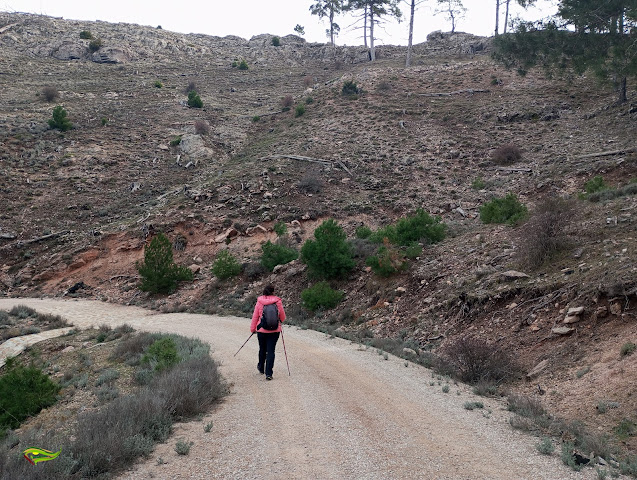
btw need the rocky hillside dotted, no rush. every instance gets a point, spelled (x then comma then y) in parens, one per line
(79, 206)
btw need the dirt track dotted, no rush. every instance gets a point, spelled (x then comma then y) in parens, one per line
(343, 413)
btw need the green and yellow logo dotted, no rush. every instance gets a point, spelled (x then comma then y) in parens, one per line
(36, 455)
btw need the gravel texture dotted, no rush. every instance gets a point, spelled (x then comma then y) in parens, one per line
(345, 412)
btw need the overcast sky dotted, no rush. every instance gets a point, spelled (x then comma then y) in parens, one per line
(246, 18)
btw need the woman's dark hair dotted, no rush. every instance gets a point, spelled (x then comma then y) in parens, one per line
(268, 290)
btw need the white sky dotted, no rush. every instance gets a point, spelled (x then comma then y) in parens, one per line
(246, 18)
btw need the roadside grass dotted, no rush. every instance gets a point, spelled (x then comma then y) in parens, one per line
(22, 320)
(126, 419)
(488, 371)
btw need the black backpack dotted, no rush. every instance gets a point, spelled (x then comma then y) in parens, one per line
(269, 317)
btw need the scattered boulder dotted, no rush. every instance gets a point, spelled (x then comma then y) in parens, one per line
(230, 233)
(511, 275)
(250, 231)
(194, 268)
(111, 55)
(616, 308)
(539, 368)
(194, 146)
(562, 330)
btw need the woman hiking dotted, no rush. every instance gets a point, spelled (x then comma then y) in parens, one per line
(268, 312)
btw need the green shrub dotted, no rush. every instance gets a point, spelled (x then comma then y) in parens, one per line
(162, 354)
(363, 232)
(503, 210)
(276, 41)
(568, 458)
(545, 446)
(86, 35)
(256, 118)
(175, 141)
(387, 261)
(242, 65)
(107, 376)
(194, 100)
(24, 391)
(280, 229)
(158, 84)
(225, 265)
(478, 184)
(415, 228)
(182, 447)
(300, 110)
(628, 348)
(328, 255)
(274, 255)
(158, 271)
(95, 44)
(350, 88)
(321, 296)
(59, 119)
(596, 184)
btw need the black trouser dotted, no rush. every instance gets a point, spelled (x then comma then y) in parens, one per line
(267, 344)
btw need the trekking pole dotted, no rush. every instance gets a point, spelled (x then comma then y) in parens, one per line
(285, 351)
(244, 344)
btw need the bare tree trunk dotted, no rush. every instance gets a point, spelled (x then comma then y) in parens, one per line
(623, 98)
(411, 33)
(372, 52)
(332, 27)
(506, 16)
(497, 17)
(453, 20)
(365, 27)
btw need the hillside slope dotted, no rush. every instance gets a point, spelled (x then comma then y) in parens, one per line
(78, 207)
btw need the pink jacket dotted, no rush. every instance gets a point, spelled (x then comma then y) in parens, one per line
(258, 311)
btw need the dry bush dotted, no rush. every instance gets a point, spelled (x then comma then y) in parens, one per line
(132, 348)
(310, 184)
(50, 94)
(506, 154)
(475, 360)
(191, 87)
(202, 127)
(308, 81)
(191, 387)
(525, 406)
(545, 236)
(287, 102)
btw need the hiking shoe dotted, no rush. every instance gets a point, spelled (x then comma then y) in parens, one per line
(269, 377)
(261, 371)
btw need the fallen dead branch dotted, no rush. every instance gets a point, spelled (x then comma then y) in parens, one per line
(327, 163)
(470, 91)
(23, 243)
(606, 154)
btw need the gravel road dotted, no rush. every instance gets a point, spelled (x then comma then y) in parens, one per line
(345, 412)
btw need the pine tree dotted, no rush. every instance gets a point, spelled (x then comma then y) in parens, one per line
(59, 119)
(159, 272)
(373, 12)
(328, 255)
(592, 36)
(329, 9)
